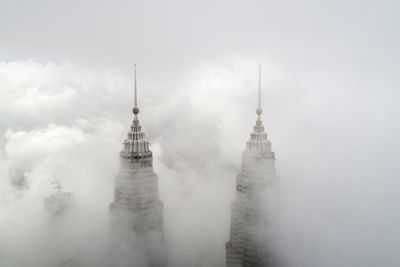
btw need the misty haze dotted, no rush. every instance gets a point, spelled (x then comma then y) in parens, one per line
(199, 134)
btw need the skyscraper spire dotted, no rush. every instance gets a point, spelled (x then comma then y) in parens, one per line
(259, 110)
(135, 107)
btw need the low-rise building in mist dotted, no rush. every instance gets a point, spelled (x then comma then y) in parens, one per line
(137, 209)
(250, 243)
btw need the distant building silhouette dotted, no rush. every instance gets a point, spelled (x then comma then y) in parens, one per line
(136, 208)
(59, 203)
(249, 244)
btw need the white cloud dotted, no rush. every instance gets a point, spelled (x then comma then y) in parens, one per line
(36, 102)
(198, 128)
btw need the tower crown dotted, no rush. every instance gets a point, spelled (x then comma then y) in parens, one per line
(258, 141)
(135, 145)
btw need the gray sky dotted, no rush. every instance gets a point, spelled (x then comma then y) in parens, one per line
(330, 101)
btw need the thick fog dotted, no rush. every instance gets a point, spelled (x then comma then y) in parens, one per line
(330, 107)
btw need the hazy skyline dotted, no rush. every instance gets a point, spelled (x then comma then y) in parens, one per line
(329, 99)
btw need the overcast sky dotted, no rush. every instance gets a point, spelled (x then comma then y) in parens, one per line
(330, 101)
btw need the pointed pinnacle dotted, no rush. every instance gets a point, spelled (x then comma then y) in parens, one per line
(259, 110)
(135, 107)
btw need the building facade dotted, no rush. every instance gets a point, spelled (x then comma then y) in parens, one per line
(250, 243)
(136, 208)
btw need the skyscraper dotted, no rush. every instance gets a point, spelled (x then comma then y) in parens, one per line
(250, 243)
(136, 208)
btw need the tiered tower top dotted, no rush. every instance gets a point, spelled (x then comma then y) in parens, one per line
(258, 141)
(135, 145)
